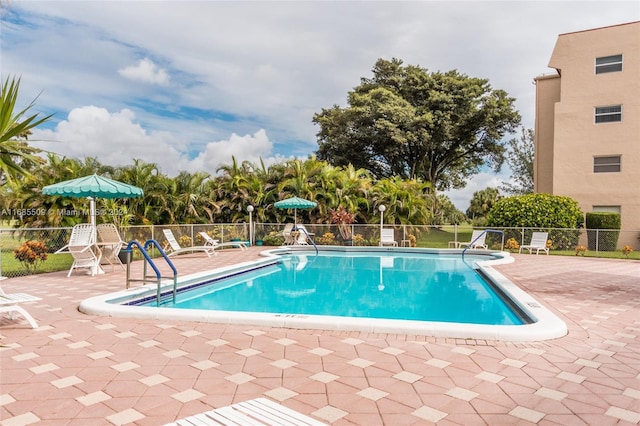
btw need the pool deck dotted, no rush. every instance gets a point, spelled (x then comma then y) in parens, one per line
(77, 369)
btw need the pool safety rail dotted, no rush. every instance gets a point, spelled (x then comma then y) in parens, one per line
(309, 238)
(148, 261)
(483, 233)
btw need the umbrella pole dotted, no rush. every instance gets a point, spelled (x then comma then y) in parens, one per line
(92, 212)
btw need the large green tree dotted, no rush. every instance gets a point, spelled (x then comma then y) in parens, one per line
(520, 156)
(439, 127)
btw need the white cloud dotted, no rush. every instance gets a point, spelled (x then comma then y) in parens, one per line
(116, 139)
(461, 198)
(244, 148)
(235, 68)
(147, 72)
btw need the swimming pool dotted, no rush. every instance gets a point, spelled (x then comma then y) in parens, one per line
(381, 290)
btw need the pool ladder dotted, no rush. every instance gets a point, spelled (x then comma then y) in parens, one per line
(148, 261)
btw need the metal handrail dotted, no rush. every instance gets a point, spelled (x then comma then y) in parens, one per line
(309, 238)
(148, 260)
(154, 243)
(480, 235)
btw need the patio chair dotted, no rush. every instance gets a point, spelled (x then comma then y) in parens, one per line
(300, 236)
(9, 305)
(538, 242)
(286, 233)
(387, 237)
(477, 241)
(82, 246)
(175, 248)
(259, 411)
(110, 243)
(211, 242)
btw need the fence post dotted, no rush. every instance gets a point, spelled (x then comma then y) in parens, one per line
(1, 277)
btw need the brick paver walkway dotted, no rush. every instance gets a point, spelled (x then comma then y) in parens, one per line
(77, 369)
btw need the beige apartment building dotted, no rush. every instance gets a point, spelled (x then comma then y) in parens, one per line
(587, 128)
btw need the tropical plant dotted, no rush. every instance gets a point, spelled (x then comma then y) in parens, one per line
(480, 205)
(14, 126)
(30, 254)
(520, 157)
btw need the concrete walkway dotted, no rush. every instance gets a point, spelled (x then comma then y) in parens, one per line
(77, 369)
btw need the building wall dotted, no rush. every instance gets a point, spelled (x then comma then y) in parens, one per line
(567, 137)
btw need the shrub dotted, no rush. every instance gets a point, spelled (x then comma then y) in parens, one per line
(512, 244)
(30, 254)
(359, 240)
(273, 239)
(327, 239)
(606, 240)
(185, 241)
(541, 211)
(581, 250)
(536, 211)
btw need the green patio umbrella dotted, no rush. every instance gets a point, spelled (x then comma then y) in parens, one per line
(295, 203)
(93, 187)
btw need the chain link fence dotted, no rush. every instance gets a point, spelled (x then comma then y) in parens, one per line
(25, 251)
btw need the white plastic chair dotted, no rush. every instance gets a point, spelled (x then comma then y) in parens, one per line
(477, 240)
(286, 233)
(9, 305)
(211, 242)
(302, 236)
(82, 246)
(387, 237)
(538, 242)
(110, 243)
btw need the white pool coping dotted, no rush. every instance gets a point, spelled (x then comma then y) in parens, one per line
(546, 324)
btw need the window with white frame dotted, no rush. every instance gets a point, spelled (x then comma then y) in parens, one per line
(606, 64)
(606, 164)
(608, 114)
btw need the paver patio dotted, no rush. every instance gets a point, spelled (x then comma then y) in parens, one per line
(77, 369)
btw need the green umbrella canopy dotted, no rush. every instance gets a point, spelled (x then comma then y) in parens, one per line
(93, 186)
(295, 203)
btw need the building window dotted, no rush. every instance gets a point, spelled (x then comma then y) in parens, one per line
(609, 114)
(609, 64)
(608, 164)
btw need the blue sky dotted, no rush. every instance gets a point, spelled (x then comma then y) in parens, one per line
(188, 85)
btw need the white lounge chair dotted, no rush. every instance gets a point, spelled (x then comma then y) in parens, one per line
(175, 248)
(110, 243)
(538, 242)
(211, 242)
(259, 411)
(82, 246)
(477, 241)
(9, 305)
(387, 237)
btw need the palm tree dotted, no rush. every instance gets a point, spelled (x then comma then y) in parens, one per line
(13, 127)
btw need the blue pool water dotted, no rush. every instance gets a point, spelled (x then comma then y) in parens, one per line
(390, 285)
